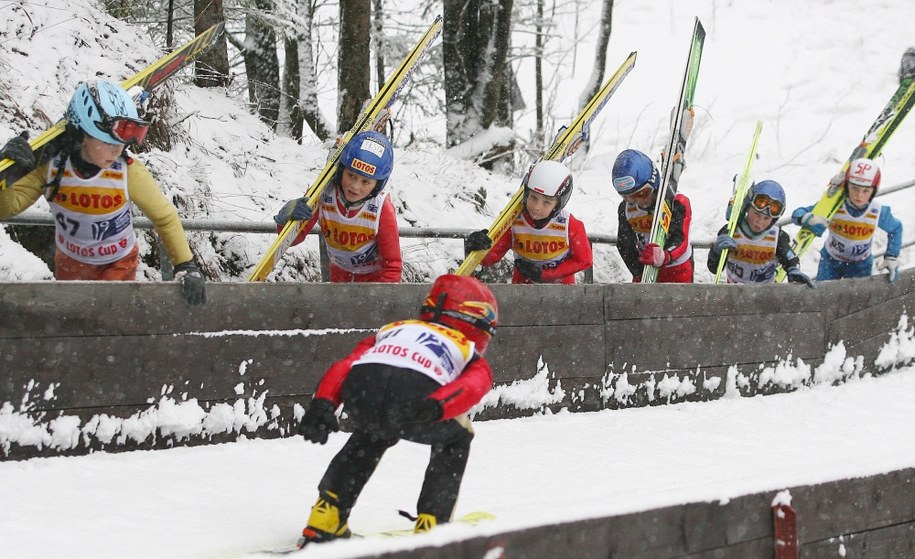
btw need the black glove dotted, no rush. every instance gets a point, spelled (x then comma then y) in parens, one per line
(478, 240)
(724, 241)
(426, 410)
(797, 276)
(293, 210)
(319, 421)
(193, 286)
(529, 270)
(19, 150)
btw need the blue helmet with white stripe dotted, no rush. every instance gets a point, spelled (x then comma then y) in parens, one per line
(632, 170)
(371, 155)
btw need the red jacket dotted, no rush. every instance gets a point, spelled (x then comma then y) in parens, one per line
(388, 240)
(579, 257)
(456, 397)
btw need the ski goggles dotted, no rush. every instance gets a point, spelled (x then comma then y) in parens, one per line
(767, 205)
(641, 194)
(122, 128)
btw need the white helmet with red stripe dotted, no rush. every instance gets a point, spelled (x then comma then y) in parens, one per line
(863, 172)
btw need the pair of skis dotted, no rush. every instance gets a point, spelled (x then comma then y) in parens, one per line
(52, 141)
(676, 148)
(740, 194)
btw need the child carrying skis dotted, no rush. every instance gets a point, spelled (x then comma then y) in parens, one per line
(356, 215)
(549, 243)
(91, 187)
(758, 244)
(848, 249)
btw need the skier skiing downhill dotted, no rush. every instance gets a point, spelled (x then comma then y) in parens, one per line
(637, 180)
(413, 380)
(550, 244)
(847, 252)
(758, 244)
(357, 217)
(92, 185)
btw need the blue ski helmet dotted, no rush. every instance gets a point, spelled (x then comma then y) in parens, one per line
(371, 155)
(97, 105)
(632, 170)
(767, 197)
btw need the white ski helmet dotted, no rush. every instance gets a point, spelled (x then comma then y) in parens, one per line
(863, 172)
(550, 178)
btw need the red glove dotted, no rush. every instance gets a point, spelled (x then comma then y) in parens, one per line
(654, 255)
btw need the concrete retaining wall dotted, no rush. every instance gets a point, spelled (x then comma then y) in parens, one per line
(121, 366)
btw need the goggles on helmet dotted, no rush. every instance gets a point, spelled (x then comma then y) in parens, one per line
(124, 129)
(767, 205)
(479, 315)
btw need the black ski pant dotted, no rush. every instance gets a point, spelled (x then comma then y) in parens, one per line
(372, 394)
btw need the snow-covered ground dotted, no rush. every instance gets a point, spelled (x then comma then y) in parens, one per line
(816, 73)
(231, 499)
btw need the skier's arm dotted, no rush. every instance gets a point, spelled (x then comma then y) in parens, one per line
(301, 236)
(893, 228)
(17, 198)
(798, 214)
(678, 233)
(498, 250)
(332, 382)
(627, 243)
(388, 240)
(714, 256)
(145, 193)
(783, 253)
(466, 391)
(580, 256)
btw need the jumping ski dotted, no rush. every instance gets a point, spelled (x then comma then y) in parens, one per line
(51, 142)
(676, 148)
(373, 116)
(469, 519)
(873, 142)
(564, 146)
(740, 192)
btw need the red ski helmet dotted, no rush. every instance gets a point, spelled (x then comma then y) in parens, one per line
(465, 304)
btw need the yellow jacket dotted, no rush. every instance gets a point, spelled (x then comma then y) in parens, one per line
(142, 190)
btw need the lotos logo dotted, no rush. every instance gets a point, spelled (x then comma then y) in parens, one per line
(91, 200)
(364, 167)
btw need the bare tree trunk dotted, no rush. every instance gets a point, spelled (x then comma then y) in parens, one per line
(378, 35)
(308, 81)
(291, 93)
(600, 55)
(353, 74)
(262, 65)
(476, 40)
(540, 137)
(211, 69)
